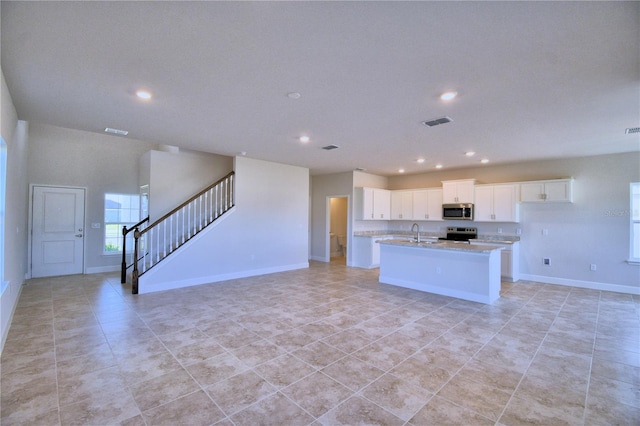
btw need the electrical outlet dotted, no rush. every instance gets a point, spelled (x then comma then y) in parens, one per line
(594, 267)
(499, 230)
(519, 231)
(545, 232)
(546, 261)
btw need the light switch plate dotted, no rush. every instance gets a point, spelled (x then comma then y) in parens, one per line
(95, 225)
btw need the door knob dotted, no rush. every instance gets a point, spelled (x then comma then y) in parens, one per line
(79, 235)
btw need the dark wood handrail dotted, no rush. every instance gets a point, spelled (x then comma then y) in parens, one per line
(185, 203)
(125, 231)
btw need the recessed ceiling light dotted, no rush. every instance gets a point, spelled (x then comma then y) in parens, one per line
(143, 94)
(484, 160)
(447, 96)
(469, 153)
(438, 166)
(420, 160)
(293, 95)
(400, 170)
(304, 139)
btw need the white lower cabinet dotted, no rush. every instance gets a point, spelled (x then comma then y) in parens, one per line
(366, 251)
(509, 257)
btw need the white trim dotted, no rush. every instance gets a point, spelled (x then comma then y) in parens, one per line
(215, 278)
(593, 285)
(7, 326)
(318, 259)
(103, 269)
(30, 224)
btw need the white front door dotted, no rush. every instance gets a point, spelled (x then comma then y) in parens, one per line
(57, 242)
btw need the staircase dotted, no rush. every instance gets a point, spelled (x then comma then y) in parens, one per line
(155, 242)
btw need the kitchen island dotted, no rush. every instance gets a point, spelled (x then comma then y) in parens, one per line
(464, 271)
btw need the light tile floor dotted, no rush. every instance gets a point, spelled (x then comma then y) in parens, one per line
(327, 345)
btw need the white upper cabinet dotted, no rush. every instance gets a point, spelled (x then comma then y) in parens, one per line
(373, 204)
(458, 191)
(402, 205)
(427, 204)
(558, 190)
(496, 203)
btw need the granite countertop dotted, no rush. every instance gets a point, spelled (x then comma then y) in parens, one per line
(442, 245)
(379, 234)
(482, 238)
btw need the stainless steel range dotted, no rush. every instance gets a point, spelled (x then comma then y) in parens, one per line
(460, 234)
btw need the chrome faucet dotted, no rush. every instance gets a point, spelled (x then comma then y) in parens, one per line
(417, 227)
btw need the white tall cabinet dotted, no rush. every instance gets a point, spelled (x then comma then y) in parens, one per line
(496, 203)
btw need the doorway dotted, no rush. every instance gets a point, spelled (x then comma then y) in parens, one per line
(57, 231)
(338, 242)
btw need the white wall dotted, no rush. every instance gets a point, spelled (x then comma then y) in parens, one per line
(266, 232)
(100, 163)
(323, 186)
(15, 134)
(593, 229)
(176, 176)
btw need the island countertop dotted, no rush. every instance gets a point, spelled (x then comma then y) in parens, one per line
(442, 245)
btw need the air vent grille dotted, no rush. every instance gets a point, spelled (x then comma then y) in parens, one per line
(437, 121)
(330, 147)
(632, 130)
(116, 131)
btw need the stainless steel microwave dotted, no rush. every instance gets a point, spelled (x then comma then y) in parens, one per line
(457, 211)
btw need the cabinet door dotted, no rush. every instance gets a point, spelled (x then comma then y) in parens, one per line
(367, 204)
(396, 205)
(558, 191)
(407, 205)
(401, 205)
(420, 205)
(532, 192)
(449, 192)
(505, 206)
(465, 192)
(381, 204)
(483, 208)
(434, 204)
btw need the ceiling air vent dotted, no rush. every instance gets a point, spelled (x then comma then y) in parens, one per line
(116, 131)
(330, 147)
(631, 130)
(437, 121)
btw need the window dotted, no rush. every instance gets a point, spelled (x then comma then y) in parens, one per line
(634, 255)
(119, 210)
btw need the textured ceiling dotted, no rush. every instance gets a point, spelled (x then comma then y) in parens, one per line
(535, 79)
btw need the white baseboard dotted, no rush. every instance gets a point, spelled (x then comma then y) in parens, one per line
(593, 285)
(102, 269)
(151, 288)
(319, 258)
